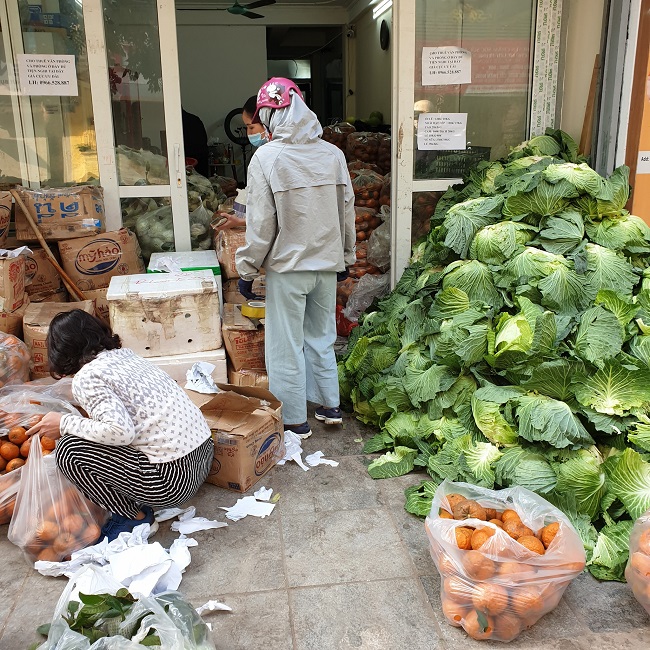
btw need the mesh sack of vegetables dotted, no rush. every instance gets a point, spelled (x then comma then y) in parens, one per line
(367, 187)
(337, 134)
(384, 152)
(379, 241)
(384, 195)
(9, 484)
(363, 146)
(52, 519)
(155, 231)
(227, 185)
(357, 165)
(369, 287)
(200, 229)
(637, 572)
(14, 360)
(505, 557)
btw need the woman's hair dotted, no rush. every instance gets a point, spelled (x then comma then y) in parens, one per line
(74, 339)
(250, 106)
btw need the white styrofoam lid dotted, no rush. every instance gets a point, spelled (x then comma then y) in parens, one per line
(162, 285)
(191, 357)
(188, 259)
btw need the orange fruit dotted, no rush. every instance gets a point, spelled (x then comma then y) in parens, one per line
(509, 569)
(478, 566)
(644, 542)
(453, 499)
(24, 448)
(490, 598)
(47, 530)
(73, 523)
(443, 514)
(459, 590)
(14, 464)
(512, 527)
(3, 463)
(526, 601)
(469, 509)
(552, 594)
(532, 544)
(89, 535)
(478, 626)
(446, 565)
(507, 515)
(640, 562)
(490, 513)
(453, 611)
(499, 515)
(548, 533)
(463, 538)
(9, 451)
(65, 543)
(17, 435)
(48, 555)
(496, 522)
(47, 444)
(506, 627)
(34, 420)
(480, 536)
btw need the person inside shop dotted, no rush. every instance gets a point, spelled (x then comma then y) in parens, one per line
(195, 141)
(300, 229)
(257, 136)
(145, 445)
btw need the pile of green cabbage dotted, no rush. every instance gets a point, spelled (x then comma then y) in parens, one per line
(515, 349)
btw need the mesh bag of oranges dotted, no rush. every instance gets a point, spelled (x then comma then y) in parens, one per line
(9, 484)
(505, 557)
(637, 572)
(14, 360)
(52, 519)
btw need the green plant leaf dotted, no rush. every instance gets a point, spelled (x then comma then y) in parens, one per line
(394, 463)
(599, 335)
(630, 482)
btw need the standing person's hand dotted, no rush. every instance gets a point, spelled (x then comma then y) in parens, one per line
(246, 289)
(227, 221)
(49, 426)
(343, 275)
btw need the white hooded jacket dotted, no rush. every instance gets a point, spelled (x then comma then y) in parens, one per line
(300, 203)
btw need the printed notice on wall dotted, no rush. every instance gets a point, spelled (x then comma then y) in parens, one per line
(643, 164)
(47, 74)
(442, 131)
(442, 66)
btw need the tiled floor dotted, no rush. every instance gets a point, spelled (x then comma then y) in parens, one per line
(338, 565)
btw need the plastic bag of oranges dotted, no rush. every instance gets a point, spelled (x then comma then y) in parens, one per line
(14, 360)
(505, 557)
(52, 519)
(637, 572)
(9, 484)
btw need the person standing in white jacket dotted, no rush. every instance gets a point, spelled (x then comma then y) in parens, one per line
(300, 229)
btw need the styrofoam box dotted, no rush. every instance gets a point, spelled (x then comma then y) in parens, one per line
(177, 365)
(161, 314)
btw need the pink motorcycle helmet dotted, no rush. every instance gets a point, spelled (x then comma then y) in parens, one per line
(275, 94)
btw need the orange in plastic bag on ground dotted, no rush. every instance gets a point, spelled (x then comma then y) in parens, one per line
(14, 360)
(637, 572)
(522, 554)
(9, 484)
(52, 519)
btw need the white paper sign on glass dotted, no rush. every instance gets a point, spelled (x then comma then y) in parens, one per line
(643, 164)
(442, 131)
(48, 74)
(442, 66)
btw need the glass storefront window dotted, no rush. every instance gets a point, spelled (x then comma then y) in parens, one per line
(151, 220)
(10, 171)
(494, 103)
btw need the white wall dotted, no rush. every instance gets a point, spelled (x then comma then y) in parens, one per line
(584, 30)
(220, 68)
(372, 86)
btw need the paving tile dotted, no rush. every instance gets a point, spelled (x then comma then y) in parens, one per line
(15, 572)
(383, 615)
(606, 606)
(242, 558)
(334, 440)
(634, 640)
(393, 488)
(343, 546)
(257, 621)
(411, 529)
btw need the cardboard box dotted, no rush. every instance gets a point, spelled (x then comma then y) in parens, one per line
(12, 283)
(246, 377)
(231, 291)
(159, 314)
(98, 296)
(244, 339)
(248, 434)
(5, 217)
(226, 244)
(66, 213)
(41, 278)
(36, 324)
(12, 322)
(91, 262)
(59, 296)
(177, 365)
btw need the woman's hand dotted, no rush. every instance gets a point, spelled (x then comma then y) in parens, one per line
(229, 221)
(49, 426)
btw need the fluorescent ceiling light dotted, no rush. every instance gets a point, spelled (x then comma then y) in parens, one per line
(381, 7)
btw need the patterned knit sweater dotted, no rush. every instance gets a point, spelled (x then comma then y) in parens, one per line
(132, 402)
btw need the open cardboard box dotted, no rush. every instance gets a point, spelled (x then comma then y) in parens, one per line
(248, 432)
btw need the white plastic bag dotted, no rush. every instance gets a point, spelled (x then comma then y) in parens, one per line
(498, 587)
(379, 242)
(637, 572)
(365, 291)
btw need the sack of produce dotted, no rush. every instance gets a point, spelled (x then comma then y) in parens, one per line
(379, 241)
(357, 165)
(367, 187)
(155, 231)
(384, 153)
(365, 291)
(337, 134)
(384, 195)
(637, 572)
(363, 146)
(52, 519)
(343, 291)
(227, 185)
(9, 484)
(14, 360)
(505, 557)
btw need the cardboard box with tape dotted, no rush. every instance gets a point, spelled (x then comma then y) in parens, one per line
(12, 281)
(231, 290)
(248, 434)
(42, 280)
(66, 213)
(12, 322)
(226, 244)
(247, 377)
(243, 339)
(91, 262)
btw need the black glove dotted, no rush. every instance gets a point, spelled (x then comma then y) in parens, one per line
(246, 289)
(343, 275)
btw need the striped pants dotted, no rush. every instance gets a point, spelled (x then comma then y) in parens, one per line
(122, 480)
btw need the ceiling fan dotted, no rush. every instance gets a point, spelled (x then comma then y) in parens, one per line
(244, 10)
